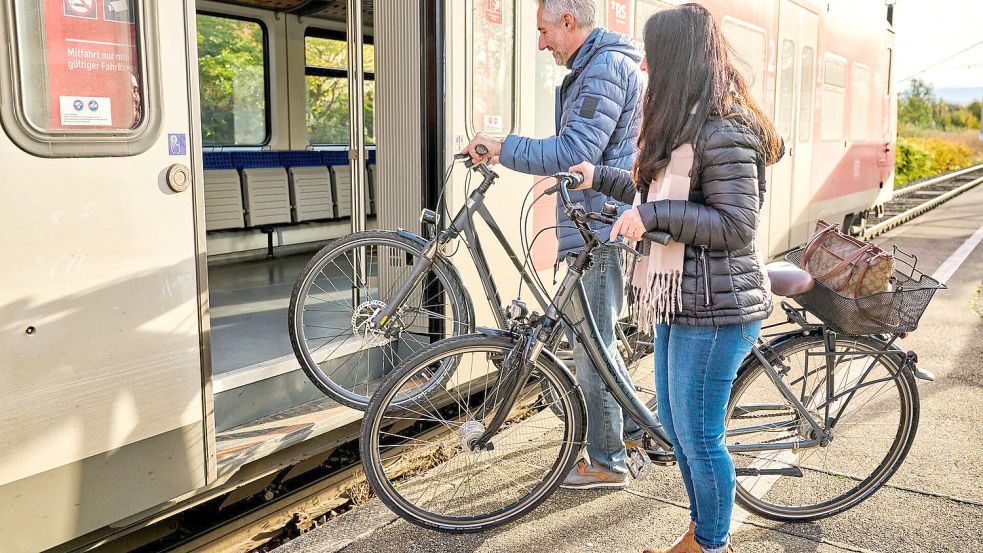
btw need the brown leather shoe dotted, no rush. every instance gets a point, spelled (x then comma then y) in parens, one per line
(685, 544)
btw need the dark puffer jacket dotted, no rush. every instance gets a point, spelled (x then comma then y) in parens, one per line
(724, 279)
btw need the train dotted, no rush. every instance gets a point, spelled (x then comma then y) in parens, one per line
(169, 166)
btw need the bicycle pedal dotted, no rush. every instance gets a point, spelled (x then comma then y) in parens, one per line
(639, 464)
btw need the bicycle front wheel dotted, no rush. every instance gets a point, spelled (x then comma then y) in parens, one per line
(418, 448)
(873, 412)
(337, 297)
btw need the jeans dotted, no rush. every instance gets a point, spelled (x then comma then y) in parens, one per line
(604, 283)
(695, 367)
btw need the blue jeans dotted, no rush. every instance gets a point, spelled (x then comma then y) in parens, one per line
(695, 367)
(604, 283)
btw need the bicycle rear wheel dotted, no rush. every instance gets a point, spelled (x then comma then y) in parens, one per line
(867, 442)
(339, 293)
(417, 447)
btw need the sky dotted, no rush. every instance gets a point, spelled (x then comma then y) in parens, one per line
(928, 31)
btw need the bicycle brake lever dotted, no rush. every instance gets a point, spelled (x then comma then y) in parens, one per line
(620, 244)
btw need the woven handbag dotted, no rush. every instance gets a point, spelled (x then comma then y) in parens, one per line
(850, 267)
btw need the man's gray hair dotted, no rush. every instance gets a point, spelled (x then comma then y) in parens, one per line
(584, 11)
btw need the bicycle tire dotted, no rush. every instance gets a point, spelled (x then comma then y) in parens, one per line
(384, 405)
(904, 436)
(460, 307)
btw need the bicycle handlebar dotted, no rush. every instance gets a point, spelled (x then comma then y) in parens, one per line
(571, 181)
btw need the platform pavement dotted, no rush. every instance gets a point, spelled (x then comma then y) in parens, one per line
(934, 502)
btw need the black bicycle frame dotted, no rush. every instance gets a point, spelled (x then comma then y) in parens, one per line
(570, 305)
(462, 224)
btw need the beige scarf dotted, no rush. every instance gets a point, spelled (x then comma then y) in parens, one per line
(658, 276)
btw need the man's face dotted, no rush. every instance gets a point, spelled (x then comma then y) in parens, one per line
(556, 37)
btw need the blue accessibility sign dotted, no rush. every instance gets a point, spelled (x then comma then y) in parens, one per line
(93, 105)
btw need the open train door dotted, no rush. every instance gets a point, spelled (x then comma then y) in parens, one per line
(798, 33)
(103, 412)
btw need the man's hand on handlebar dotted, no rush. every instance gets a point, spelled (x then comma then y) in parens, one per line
(587, 170)
(628, 225)
(492, 148)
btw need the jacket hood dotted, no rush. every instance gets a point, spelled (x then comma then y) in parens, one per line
(601, 40)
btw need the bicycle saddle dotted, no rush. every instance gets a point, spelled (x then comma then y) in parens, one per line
(789, 280)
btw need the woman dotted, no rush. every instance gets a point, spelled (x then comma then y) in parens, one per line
(700, 176)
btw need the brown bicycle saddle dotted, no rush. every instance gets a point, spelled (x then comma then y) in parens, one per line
(789, 280)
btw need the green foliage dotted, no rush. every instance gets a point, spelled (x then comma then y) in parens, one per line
(327, 97)
(232, 81)
(912, 163)
(918, 158)
(919, 108)
(233, 85)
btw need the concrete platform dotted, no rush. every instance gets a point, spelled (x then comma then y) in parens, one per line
(934, 502)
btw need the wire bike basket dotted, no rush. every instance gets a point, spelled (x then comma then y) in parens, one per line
(894, 311)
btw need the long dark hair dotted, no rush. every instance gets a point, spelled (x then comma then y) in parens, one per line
(691, 79)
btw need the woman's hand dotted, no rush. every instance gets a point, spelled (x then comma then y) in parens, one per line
(587, 170)
(628, 225)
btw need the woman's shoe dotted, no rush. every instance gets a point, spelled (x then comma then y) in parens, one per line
(685, 544)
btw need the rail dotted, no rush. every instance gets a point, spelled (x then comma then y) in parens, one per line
(946, 187)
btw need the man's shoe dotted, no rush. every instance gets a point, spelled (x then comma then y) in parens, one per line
(584, 476)
(685, 544)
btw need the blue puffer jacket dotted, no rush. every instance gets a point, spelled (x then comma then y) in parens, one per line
(597, 114)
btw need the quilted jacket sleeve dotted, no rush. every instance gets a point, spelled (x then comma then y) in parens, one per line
(728, 175)
(591, 120)
(614, 182)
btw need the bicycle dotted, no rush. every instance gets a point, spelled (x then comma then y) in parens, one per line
(395, 293)
(809, 407)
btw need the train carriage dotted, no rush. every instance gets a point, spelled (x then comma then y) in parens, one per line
(170, 165)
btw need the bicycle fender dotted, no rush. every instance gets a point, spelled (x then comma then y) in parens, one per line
(422, 242)
(495, 332)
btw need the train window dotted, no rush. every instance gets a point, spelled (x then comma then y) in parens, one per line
(492, 82)
(615, 15)
(806, 88)
(232, 68)
(327, 89)
(549, 75)
(644, 9)
(890, 67)
(860, 103)
(834, 97)
(786, 93)
(80, 84)
(749, 48)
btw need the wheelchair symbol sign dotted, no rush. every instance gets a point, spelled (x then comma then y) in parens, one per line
(177, 144)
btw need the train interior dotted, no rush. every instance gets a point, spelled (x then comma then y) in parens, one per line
(275, 126)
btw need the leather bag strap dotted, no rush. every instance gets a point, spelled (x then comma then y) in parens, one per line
(814, 244)
(846, 262)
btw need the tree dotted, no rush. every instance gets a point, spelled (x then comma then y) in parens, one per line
(917, 104)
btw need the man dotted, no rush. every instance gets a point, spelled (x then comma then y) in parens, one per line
(598, 105)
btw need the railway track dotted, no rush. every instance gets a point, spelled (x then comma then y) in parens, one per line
(329, 490)
(913, 200)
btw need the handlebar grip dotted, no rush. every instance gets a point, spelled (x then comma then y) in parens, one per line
(658, 237)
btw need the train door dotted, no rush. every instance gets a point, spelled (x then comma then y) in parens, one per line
(798, 32)
(100, 344)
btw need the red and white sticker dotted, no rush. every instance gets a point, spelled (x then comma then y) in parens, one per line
(493, 11)
(619, 16)
(80, 8)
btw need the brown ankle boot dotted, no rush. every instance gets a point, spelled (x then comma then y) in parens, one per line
(685, 544)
